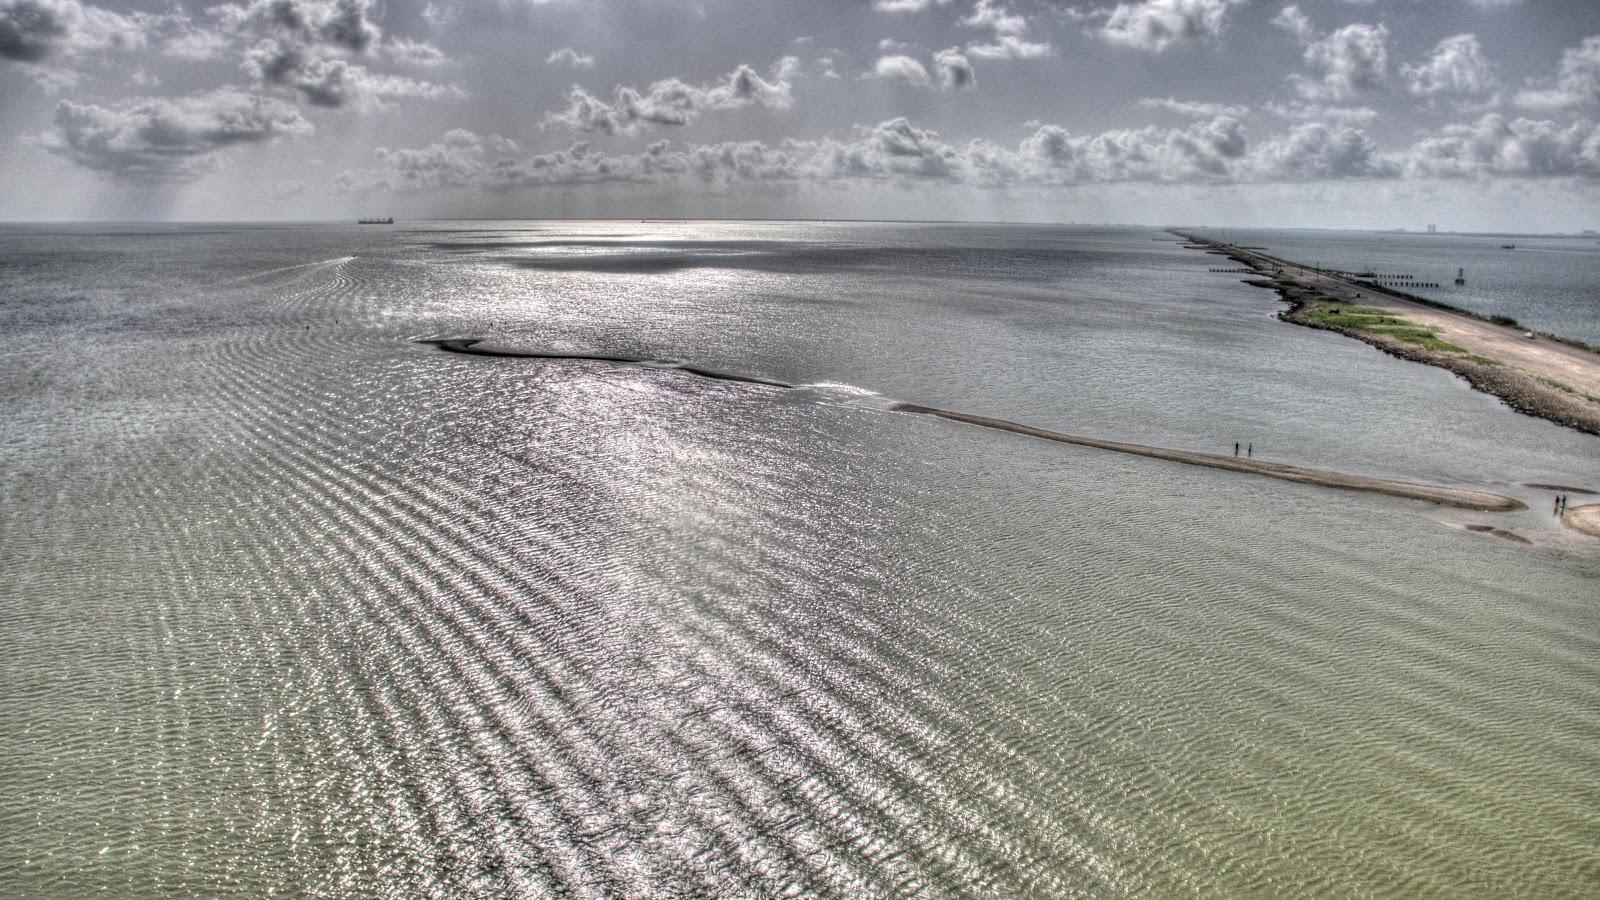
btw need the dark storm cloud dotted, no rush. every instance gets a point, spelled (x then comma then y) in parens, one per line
(30, 29)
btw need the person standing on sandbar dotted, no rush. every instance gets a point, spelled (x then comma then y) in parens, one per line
(1250, 450)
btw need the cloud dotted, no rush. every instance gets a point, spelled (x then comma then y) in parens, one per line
(906, 6)
(1158, 25)
(570, 58)
(167, 140)
(1008, 46)
(1193, 108)
(1009, 31)
(180, 38)
(989, 14)
(421, 54)
(1577, 82)
(1497, 146)
(902, 69)
(31, 30)
(1457, 66)
(323, 78)
(1202, 151)
(954, 69)
(1297, 23)
(1354, 61)
(673, 102)
(1349, 62)
(1301, 111)
(346, 24)
(1214, 151)
(1316, 151)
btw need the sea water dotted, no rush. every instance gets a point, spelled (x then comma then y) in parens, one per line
(1549, 283)
(292, 602)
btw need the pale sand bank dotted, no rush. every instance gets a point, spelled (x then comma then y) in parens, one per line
(1584, 518)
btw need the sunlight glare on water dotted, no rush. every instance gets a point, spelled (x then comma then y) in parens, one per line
(290, 602)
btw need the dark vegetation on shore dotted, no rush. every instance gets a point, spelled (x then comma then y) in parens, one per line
(1344, 317)
(1503, 321)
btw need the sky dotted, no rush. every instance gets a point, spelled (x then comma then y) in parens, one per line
(1475, 115)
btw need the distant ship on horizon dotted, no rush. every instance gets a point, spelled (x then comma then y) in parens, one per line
(388, 221)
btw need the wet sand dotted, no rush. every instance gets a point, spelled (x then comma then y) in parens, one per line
(1500, 533)
(1458, 497)
(1558, 488)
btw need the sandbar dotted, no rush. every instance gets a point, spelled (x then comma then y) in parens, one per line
(474, 347)
(1584, 518)
(1445, 496)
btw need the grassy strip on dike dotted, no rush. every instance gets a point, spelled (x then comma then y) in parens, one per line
(1569, 389)
(1377, 321)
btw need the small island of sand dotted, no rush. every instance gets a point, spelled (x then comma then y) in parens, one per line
(1584, 518)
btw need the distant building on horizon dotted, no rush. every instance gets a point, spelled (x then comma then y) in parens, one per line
(1433, 229)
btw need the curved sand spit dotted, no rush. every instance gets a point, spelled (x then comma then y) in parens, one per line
(1480, 500)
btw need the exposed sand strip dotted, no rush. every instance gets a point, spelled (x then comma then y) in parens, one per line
(1465, 499)
(1558, 488)
(470, 347)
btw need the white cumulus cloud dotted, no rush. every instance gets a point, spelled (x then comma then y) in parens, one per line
(1157, 25)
